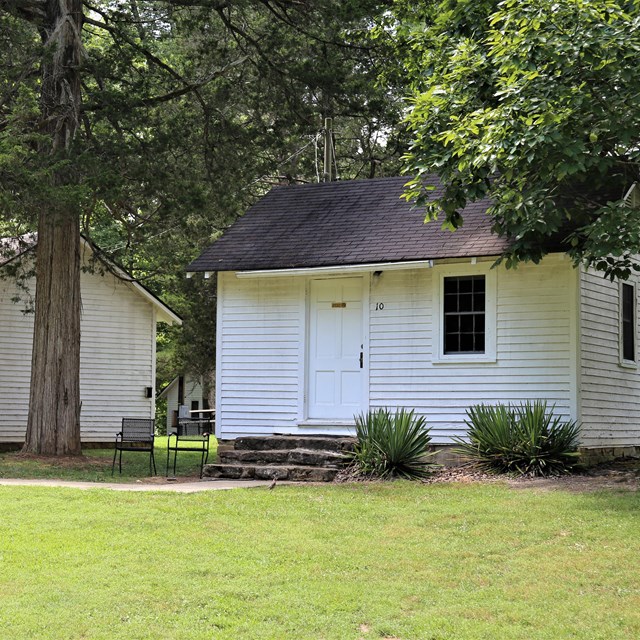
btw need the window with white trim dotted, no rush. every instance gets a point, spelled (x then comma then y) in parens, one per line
(464, 313)
(628, 322)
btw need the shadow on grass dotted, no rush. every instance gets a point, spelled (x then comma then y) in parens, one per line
(95, 465)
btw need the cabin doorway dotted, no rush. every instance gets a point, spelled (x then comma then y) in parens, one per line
(335, 356)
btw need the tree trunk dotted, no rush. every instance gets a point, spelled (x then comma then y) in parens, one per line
(53, 426)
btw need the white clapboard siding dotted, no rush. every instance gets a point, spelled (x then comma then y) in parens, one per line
(610, 392)
(259, 330)
(16, 336)
(261, 350)
(116, 358)
(533, 346)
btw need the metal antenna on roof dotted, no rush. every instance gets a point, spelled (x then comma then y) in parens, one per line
(315, 146)
(327, 174)
(333, 155)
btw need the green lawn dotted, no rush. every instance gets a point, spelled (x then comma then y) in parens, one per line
(337, 562)
(95, 465)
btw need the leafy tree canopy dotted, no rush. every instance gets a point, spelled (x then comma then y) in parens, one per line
(188, 111)
(535, 105)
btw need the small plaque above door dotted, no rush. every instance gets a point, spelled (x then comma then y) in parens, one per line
(338, 305)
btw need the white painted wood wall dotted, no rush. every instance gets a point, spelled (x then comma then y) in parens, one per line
(262, 329)
(117, 358)
(260, 341)
(609, 387)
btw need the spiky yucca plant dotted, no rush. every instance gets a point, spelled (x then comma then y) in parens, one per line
(392, 444)
(526, 439)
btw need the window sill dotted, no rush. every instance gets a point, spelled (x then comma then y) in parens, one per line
(628, 364)
(483, 359)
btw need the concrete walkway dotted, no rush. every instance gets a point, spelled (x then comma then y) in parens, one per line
(177, 487)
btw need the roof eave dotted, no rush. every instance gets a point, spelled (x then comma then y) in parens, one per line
(347, 268)
(164, 312)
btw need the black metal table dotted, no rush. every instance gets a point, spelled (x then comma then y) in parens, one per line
(191, 435)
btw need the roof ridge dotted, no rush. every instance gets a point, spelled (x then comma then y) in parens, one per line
(334, 183)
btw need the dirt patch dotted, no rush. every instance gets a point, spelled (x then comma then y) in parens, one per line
(65, 462)
(620, 474)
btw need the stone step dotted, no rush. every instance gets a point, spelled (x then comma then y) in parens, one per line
(296, 473)
(322, 443)
(303, 457)
(245, 456)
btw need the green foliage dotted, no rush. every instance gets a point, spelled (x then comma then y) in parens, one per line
(392, 444)
(534, 105)
(525, 439)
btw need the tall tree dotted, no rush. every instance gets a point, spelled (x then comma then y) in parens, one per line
(152, 124)
(534, 104)
(55, 380)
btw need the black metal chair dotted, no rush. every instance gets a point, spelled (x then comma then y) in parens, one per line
(191, 434)
(137, 435)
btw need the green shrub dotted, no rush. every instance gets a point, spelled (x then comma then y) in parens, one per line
(525, 439)
(392, 444)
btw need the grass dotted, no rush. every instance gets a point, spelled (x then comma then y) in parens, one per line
(95, 465)
(343, 562)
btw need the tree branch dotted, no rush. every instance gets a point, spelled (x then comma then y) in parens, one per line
(31, 10)
(116, 33)
(188, 87)
(172, 95)
(216, 5)
(279, 11)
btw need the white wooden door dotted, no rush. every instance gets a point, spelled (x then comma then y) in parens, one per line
(335, 373)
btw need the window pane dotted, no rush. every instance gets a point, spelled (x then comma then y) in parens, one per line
(465, 285)
(451, 285)
(451, 343)
(465, 302)
(466, 323)
(452, 323)
(628, 351)
(628, 323)
(450, 302)
(466, 342)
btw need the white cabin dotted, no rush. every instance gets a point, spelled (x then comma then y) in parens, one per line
(341, 316)
(184, 396)
(117, 352)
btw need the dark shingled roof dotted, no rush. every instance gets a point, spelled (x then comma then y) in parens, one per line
(344, 223)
